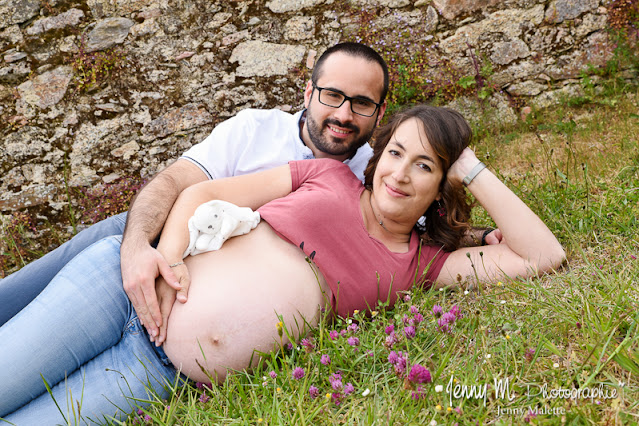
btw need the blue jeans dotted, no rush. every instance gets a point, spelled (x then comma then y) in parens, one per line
(82, 336)
(20, 288)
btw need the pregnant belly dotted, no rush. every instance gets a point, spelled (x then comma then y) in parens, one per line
(237, 296)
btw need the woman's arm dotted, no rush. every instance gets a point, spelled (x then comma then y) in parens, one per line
(528, 248)
(252, 190)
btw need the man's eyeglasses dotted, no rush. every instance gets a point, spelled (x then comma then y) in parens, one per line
(334, 98)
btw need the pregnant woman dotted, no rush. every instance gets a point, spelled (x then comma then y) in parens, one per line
(325, 241)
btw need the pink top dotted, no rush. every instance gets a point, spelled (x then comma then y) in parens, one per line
(322, 216)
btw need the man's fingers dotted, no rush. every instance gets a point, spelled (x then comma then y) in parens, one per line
(151, 300)
(137, 300)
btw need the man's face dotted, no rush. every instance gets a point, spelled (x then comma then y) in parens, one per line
(338, 132)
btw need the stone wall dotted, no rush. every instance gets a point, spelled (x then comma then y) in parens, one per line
(181, 66)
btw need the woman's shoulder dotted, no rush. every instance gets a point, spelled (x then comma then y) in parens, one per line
(322, 166)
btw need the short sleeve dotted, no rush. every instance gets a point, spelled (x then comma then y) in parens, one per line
(303, 170)
(432, 261)
(218, 154)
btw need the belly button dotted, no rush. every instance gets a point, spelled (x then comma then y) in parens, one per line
(215, 340)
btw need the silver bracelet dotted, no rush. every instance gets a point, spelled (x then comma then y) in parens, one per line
(473, 173)
(176, 264)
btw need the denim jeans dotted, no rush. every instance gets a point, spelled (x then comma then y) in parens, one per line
(20, 288)
(83, 337)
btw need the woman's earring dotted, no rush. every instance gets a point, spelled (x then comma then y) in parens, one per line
(441, 209)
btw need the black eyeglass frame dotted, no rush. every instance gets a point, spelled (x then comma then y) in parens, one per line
(346, 98)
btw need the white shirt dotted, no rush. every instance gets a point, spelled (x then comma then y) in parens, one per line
(256, 140)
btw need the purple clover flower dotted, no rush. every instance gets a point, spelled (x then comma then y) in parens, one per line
(389, 329)
(203, 398)
(325, 360)
(419, 374)
(414, 310)
(418, 393)
(353, 327)
(437, 311)
(333, 334)
(349, 388)
(336, 381)
(398, 360)
(418, 318)
(273, 374)
(337, 398)
(448, 317)
(455, 311)
(391, 339)
(313, 391)
(409, 332)
(353, 341)
(444, 327)
(298, 373)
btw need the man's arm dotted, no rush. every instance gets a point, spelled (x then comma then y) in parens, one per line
(141, 264)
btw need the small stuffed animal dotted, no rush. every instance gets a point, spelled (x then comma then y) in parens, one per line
(216, 221)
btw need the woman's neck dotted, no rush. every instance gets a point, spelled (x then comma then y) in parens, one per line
(394, 235)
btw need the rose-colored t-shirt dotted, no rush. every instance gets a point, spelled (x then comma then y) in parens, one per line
(322, 216)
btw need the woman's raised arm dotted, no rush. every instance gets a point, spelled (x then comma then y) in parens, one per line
(528, 247)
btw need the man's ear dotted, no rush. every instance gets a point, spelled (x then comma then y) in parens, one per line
(307, 93)
(382, 110)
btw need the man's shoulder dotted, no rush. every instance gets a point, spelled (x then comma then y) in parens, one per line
(269, 116)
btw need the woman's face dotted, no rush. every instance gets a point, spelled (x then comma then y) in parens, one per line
(408, 174)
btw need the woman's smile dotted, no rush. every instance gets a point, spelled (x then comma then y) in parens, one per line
(394, 191)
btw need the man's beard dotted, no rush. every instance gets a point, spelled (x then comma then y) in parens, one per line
(324, 143)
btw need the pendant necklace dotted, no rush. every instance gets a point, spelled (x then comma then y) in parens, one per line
(381, 222)
(370, 200)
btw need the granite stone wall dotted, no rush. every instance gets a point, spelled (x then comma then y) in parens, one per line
(94, 90)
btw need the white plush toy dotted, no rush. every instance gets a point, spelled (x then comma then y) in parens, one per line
(216, 221)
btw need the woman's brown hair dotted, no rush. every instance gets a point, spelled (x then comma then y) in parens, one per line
(448, 134)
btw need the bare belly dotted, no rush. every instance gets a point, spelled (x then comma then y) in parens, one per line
(236, 297)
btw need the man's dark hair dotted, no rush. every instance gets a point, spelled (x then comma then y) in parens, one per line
(357, 50)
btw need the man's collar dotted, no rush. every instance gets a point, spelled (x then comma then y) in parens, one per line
(300, 124)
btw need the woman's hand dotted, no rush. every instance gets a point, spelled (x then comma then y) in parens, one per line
(166, 298)
(462, 167)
